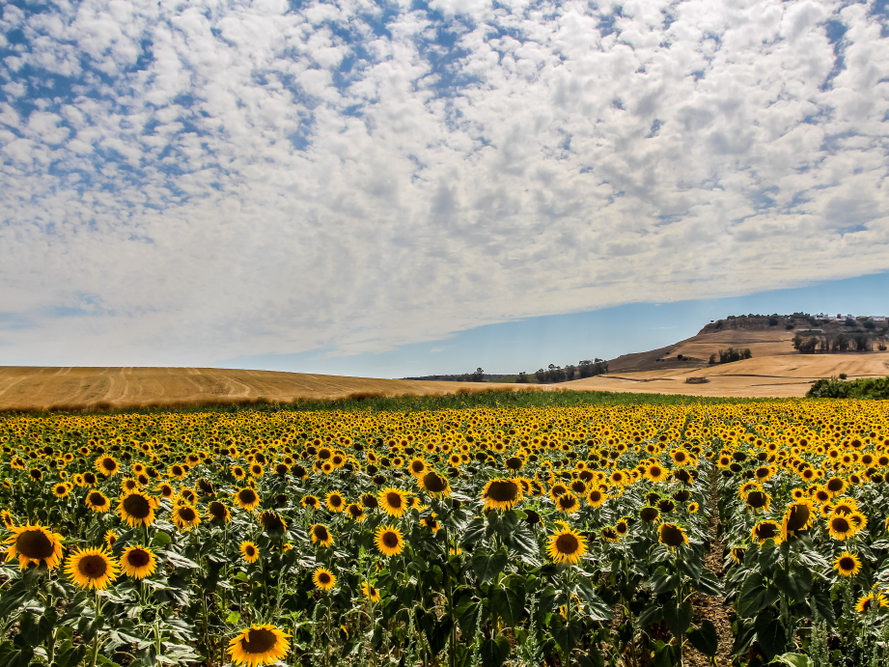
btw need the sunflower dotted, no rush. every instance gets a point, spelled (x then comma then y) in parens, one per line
(566, 546)
(7, 519)
(392, 501)
(693, 508)
(324, 578)
(186, 517)
(737, 554)
(272, 522)
(335, 501)
(247, 499)
(434, 484)
(798, 517)
(389, 540)
(110, 538)
(310, 501)
(417, 467)
(502, 493)
(92, 568)
(655, 472)
(431, 523)
(33, 544)
(138, 562)
(61, 490)
(848, 565)
(97, 502)
(610, 534)
(249, 551)
(259, 645)
(649, 514)
(766, 530)
(107, 466)
(321, 534)
(567, 503)
(217, 511)
(238, 473)
(758, 501)
(865, 602)
(596, 498)
(137, 509)
(840, 527)
(672, 535)
(355, 512)
(370, 592)
(835, 486)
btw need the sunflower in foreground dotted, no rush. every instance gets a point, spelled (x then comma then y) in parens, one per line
(392, 501)
(335, 501)
(92, 568)
(138, 562)
(186, 517)
(798, 517)
(97, 502)
(566, 546)
(217, 511)
(389, 540)
(33, 544)
(672, 535)
(840, 527)
(247, 499)
(766, 530)
(434, 484)
(867, 601)
(324, 579)
(137, 509)
(259, 645)
(321, 535)
(501, 494)
(848, 565)
(249, 551)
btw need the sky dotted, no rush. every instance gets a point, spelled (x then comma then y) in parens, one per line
(405, 188)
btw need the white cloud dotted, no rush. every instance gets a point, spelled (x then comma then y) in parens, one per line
(238, 179)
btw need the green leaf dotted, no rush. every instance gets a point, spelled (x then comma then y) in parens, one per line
(754, 595)
(650, 615)
(486, 566)
(161, 539)
(663, 582)
(770, 634)
(704, 638)
(821, 598)
(793, 660)
(678, 618)
(494, 652)
(707, 584)
(468, 611)
(565, 633)
(509, 603)
(233, 617)
(181, 561)
(795, 584)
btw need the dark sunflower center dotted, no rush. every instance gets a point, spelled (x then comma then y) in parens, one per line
(680, 457)
(137, 506)
(648, 514)
(109, 464)
(321, 533)
(513, 463)
(609, 533)
(434, 483)
(138, 558)
(272, 522)
(654, 471)
(418, 466)
(355, 511)
(578, 486)
(187, 514)
(672, 536)
(835, 484)
(799, 517)
(324, 578)
(34, 544)
(371, 503)
(247, 496)
(177, 470)
(390, 539)
(766, 531)
(558, 490)
(503, 491)
(757, 499)
(567, 544)
(258, 640)
(840, 524)
(250, 551)
(217, 509)
(336, 501)
(595, 496)
(93, 566)
(394, 500)
(566, 502)
(847, 563)
(96, 499)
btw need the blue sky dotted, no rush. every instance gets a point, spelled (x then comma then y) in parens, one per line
(347, 186)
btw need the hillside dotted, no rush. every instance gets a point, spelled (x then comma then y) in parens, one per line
(27, 388)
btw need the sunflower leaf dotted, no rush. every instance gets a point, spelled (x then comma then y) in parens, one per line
(754, 596)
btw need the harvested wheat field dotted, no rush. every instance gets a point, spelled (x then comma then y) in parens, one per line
(779, 376)
(29, 388)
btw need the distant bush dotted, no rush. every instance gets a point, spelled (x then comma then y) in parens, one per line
(864, 388)
(773, 321)
(730, 355)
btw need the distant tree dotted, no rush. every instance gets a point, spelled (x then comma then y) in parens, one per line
(522, 378)
(540, 375)
(804, 345)
(479, 375)
(849, 322)
(862, 343)
(868, 324)
(746, 353)
(773, 321)
(839, 344)
(713, 358)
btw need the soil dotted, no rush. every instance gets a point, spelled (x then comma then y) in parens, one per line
(709, 608)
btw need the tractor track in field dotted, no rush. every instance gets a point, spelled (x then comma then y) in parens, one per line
(709, 608)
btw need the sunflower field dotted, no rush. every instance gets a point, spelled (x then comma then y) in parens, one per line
(589, 536)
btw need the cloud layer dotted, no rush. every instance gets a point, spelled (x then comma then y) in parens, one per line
(185, 182)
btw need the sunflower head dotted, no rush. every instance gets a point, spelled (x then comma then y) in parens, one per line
(434, 484)
(218, 512)
(848, 565)
(34, 544)
(502, 493)
(259, 645)
(137, 509)
(138, 562)
(799, 517)
(323, 578)
(321, 535)
(249, 551)
(389, 540)
(840, 527)
(766, 530)
(567, 503)
(272, 522)
(566, 546)
(392, 501)
(672, 535)
(92, 568)
(370, 592)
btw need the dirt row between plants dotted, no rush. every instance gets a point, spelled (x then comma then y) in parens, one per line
(713, 609)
